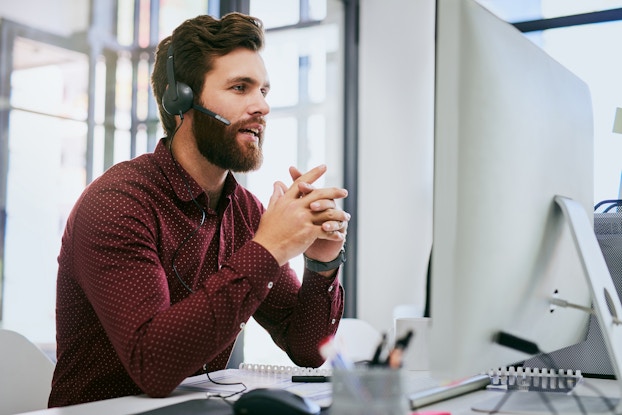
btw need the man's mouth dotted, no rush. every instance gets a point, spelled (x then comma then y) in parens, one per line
(253, 131)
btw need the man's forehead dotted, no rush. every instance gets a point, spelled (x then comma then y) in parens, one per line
(241, 65)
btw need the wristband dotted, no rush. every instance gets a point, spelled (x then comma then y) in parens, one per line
(318, 266)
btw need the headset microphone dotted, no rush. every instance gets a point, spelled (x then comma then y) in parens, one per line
(178, 97)
(211, 114)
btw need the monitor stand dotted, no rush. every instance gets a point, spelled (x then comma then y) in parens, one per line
(608, 310)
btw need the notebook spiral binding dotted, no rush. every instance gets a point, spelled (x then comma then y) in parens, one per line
(534, 379)
(286, 370)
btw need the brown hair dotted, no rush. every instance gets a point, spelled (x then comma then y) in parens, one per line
(196, 43)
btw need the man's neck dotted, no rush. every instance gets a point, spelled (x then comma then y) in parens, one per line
(210, 177)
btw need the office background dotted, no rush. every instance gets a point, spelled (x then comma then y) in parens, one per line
(359, 100)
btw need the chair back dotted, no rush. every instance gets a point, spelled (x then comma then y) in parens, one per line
(25, 374)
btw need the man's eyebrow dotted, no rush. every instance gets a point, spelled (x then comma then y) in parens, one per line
(247, 80)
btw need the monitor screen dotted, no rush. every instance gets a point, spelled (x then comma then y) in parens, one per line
(513, 129)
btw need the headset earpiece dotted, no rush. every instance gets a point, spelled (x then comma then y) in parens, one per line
(178, 97)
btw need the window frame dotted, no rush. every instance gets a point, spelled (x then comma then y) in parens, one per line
(537, 25)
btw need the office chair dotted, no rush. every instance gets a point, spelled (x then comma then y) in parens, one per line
(357, 339)
(25, 374)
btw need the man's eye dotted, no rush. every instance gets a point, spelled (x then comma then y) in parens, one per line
(240, 88)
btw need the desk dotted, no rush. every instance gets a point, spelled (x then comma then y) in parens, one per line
(458, 406)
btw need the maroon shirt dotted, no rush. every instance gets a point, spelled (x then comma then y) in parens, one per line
(125, 323)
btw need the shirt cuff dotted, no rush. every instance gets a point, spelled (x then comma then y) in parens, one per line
(315, 280)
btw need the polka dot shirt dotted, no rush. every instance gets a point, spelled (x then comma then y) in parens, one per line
(126, 322)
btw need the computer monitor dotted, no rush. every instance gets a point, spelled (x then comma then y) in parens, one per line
(513, 130)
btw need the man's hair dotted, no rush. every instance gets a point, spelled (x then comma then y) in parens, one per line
(196, 43)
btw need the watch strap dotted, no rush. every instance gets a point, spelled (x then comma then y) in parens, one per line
(319, 266)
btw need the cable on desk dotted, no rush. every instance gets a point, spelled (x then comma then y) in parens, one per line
(221, 396)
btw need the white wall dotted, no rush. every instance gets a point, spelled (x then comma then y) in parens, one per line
(396, 155)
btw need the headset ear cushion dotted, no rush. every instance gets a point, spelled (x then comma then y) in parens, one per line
(180, 102)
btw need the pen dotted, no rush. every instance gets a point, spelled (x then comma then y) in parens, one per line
(329, 351)
(375, 361)
(310, 378)
(395, 356)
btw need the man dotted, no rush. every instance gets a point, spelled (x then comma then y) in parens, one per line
(165, 257)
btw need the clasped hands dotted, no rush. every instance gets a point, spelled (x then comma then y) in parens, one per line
(303, 219)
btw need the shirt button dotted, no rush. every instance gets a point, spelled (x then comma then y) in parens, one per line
(242, 325)
(270, 284)
(330, 288)
(332, 321)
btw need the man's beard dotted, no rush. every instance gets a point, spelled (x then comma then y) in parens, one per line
(217, 143)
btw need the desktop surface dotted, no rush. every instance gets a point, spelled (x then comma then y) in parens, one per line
(135, 405)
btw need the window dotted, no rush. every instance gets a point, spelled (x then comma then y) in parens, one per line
(304, 127)
(46, 173)
(304, 65)
(583, 49)
(74, 113)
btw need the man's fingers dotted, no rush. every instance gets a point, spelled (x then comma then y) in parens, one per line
(334, 225)
(294, 173)
(309, 177)
(304, 188)
(332, 236)
(278, 190)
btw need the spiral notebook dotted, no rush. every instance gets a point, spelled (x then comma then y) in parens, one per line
(232, 382)
(285, 370)
(534, 379)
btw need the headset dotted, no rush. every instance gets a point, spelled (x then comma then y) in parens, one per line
(178, 97)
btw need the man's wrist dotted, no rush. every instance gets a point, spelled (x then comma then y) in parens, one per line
(319, 266)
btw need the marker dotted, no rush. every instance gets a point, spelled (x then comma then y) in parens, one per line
(310, 378)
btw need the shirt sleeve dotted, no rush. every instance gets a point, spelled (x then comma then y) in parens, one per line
(300, 318)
